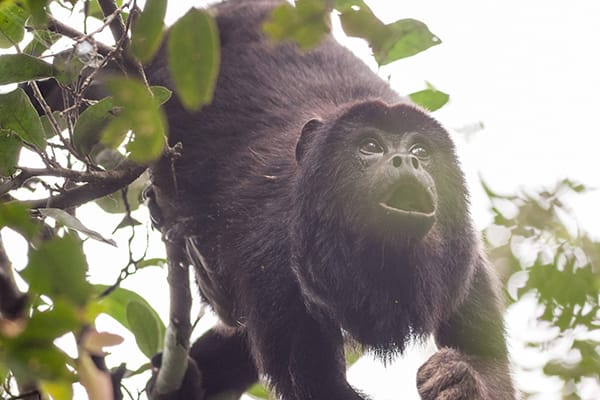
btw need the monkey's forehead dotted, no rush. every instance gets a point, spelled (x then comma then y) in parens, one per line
(393, 118)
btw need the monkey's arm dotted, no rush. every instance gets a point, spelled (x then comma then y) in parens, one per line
(473, 359)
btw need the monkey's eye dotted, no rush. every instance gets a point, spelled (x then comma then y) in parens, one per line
(419, 151)
(370, 146)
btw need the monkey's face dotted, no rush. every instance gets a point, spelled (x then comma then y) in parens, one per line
(381, 168)
(402, 194)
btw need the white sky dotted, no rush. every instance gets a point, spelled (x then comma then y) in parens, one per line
(529, 71)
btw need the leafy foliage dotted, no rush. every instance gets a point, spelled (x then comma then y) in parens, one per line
(563, 276)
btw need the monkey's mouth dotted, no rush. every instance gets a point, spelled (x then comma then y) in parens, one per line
(410, 198)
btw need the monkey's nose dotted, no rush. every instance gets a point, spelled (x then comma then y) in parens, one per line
(406, 160)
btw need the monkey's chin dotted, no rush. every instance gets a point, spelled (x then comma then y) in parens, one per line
(410, 223)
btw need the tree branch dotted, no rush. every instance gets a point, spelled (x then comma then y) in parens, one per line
(65, 30)
(116, 24)
(113, 181)
(177, 339)
(12, 301)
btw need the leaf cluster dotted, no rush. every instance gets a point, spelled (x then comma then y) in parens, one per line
(534, 239)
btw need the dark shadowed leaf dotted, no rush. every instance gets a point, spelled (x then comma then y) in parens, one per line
(430, 98)
(58, 269)
(127, 222)
(193, 54)
(18, 114)
(148, 30)
(16, 216)
(305, 24)
(37, 10)
(144, 327)
(88, 128)
(16, 68)
(12, 24)
(71, 222)
(117, 305)
(140, 113)
(10, 147)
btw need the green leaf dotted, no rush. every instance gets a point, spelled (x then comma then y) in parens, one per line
(46, 326)
(305, 24)
(400, 39)
(141, 114)
(58, 390)
(16, 216)
(58, 269)
(406, 38)
(193, 55)
(148, 30)
(12, 24)
(145, 328)
(258, 391)
(87, 131)
(16, 68)
(10, 148)
(430, 98)
(48, 129)
(117, 305)
(37, 9)
(161, 94)
(43, 361)
(71, 222)
(18, 114)
(152, 262)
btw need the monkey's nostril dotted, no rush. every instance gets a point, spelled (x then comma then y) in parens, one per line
(397, 161)
(415, 162)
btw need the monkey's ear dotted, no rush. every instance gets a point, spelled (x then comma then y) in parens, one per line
(308, 132)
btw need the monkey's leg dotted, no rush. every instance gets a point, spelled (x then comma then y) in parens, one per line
(223, 358)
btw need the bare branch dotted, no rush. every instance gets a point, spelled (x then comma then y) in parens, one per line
(110, 183)
(60, 28)
(116, 24)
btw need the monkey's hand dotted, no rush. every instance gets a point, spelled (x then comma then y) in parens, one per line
(447, 375)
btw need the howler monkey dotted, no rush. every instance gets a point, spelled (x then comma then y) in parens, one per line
(316, 203)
